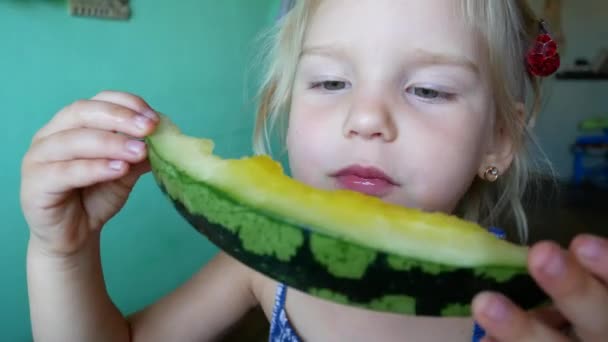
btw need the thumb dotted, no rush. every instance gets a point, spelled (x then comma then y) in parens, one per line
(135, 172)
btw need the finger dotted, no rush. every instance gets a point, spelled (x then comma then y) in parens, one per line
(59, 177)
(592, 253)
(581, 297)
(122, 187)
(504, 321)
(87, 143)
(128, 100)
(550, 316)
(100, 115)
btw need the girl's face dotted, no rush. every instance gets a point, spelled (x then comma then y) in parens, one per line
(391, 98)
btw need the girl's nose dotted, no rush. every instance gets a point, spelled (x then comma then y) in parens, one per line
(370, 119)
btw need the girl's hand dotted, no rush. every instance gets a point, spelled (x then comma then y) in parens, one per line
(78, 172)
(577, 282)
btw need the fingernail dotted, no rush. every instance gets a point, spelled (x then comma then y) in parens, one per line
(141, 121)
(494, 307)
(151, 114)
(590, 250)
(554, 264)
(135, 146)
(116, 165)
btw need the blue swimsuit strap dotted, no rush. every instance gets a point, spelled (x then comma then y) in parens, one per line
(280, 328)
(478, 332)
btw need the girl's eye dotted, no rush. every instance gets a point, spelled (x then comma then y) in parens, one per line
(426, 93)
(330, 85)
(429, 94)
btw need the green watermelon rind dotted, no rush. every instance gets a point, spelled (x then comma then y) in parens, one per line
(331, 268)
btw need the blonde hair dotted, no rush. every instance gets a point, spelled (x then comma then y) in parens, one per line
(507, 28)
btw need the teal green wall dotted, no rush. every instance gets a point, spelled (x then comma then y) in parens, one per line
(190, 59)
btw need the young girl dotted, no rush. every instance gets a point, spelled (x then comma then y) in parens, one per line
(421, 103)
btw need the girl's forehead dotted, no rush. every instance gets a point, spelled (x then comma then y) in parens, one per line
(393, 26)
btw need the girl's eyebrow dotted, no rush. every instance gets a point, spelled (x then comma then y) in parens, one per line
(426, 57)
(419, 56)
(323, 50)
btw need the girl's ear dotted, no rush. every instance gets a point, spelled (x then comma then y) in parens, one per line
(501, 148)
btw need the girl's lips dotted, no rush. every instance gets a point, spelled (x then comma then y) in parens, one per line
(367, 180)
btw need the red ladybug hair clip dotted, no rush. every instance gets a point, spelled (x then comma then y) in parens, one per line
(542, 58)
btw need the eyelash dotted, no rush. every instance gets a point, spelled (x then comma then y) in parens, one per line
(440, 95)
(315, 85)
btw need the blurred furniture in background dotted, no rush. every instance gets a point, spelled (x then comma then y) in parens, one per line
(591, 152)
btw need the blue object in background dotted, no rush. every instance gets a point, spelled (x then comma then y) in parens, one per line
(582, 149)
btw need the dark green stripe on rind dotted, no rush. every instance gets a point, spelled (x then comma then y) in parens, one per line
(331, 268)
